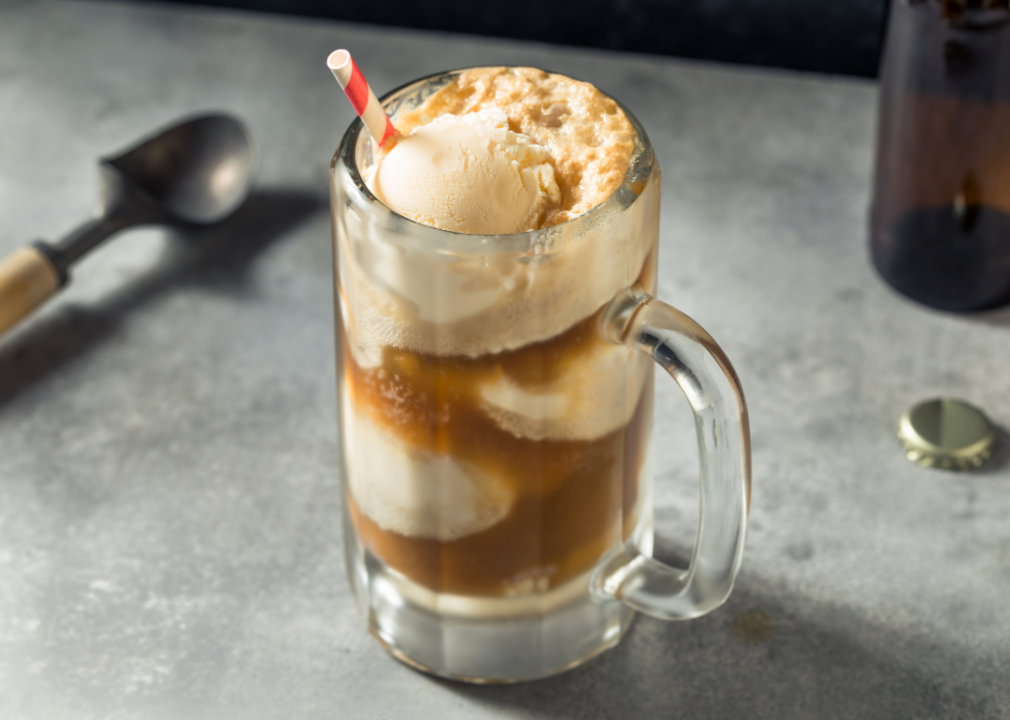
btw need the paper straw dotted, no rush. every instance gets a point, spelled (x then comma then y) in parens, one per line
(346, 71)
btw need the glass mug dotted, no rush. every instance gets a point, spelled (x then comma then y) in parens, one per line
(495, 414)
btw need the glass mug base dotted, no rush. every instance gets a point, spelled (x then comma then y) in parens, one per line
(487, 640)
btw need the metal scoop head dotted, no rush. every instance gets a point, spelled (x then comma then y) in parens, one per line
(196, 172)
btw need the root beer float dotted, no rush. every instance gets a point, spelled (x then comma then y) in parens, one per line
(494, 441)
(495, 259)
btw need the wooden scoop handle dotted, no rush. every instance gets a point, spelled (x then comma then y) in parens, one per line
(27, 278)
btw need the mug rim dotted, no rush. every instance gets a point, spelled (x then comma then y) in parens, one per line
(641, 167)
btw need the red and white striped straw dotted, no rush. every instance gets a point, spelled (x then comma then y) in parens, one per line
(346, 71)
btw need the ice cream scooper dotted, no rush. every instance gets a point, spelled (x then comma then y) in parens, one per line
(197, 172)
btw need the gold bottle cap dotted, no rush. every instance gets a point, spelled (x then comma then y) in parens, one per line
(946, 433)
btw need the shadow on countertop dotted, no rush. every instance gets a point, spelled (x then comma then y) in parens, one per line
(756, 658)
(219, 256)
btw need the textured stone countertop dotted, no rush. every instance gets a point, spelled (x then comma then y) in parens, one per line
(169, 500)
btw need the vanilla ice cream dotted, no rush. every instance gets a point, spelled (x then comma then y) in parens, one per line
(470, 174)
(414, 492)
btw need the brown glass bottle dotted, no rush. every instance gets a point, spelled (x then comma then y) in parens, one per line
(940, 218)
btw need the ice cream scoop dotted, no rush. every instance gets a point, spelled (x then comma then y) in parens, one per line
(197, 172)
(470, 174)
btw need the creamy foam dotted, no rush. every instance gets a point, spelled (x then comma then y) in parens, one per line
(441, 303)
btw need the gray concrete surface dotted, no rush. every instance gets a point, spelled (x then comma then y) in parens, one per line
(169, 506)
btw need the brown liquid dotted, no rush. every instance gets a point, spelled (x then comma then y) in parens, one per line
(573, 498)
(941, 205)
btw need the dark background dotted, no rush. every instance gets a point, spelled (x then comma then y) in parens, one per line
(831, 36)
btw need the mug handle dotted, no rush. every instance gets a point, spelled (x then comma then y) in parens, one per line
(704, 373)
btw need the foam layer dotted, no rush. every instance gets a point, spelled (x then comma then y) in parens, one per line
(443, 303)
